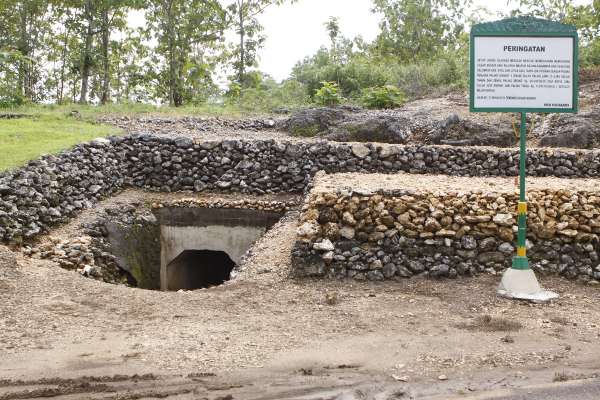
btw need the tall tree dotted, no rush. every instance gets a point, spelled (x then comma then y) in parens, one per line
(243, 16)
(333, 31)
(418, 29)
(180, 27)
(22, 31)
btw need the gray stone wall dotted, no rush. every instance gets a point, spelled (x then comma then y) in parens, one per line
(52, 189)
(379, 236)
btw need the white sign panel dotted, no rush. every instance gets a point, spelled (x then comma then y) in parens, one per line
(523, 72)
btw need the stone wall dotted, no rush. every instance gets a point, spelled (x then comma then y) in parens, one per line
(420, 230)
(52, 189)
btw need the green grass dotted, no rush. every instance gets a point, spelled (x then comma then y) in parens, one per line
(92, 112)
(51, 128)
(24, 139)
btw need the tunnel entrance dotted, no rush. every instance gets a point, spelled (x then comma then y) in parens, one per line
(198, 269)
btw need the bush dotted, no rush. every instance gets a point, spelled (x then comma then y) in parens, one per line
(427, 79)
(353, 76)
(387, 96)
(328, 95)
(9, 99)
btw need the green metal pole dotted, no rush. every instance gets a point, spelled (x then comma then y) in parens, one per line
(520, 260)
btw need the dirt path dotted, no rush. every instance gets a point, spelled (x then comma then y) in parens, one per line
(300, 337)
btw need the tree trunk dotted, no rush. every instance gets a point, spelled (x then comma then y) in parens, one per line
(23, 49)
(86, 59)
(119, 88)
(61, 90)
(171, 50)
(105, 97)
(242, 60)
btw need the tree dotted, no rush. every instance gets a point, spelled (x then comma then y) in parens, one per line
(418, 29)
(22, 30)
(243, 17)
(585, 17)
(333, 31)
(186, 30)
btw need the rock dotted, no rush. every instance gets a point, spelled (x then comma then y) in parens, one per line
(388, 151)
(328, 214)
(324, 245)
(94, 189)
(312, 121)
(308, 229)
(568, 232)
(451, 120)
(488, 243)
(506, 248)
(381, 129)
(348, 218)
(580, 130)
(347, 232)
(376, 265)
(5, 189)
(328, 256)
(376, 275)
(491, 256)
(360, 150)
(439, 271)
(416, 266)
(404, 272)
(100, 142)
(503, 219)
(183, 142)
(432, 225)
(389, 270)
(468, 242)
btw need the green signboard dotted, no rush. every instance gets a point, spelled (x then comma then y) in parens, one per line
(524, 65)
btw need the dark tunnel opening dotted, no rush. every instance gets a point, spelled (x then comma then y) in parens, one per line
(198, 269)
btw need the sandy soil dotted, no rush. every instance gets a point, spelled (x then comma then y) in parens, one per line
(444, 183)
(266, 335)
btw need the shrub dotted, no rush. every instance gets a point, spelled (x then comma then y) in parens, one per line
(387, 96)
(328, 95)
(9, 99)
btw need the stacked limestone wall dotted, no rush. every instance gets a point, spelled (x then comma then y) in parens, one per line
(384, 234)
(53, 188)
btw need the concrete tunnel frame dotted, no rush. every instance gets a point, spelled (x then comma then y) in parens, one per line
(231, 231)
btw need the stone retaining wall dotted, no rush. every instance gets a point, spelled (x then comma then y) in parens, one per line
(54, 188)
(391, 233)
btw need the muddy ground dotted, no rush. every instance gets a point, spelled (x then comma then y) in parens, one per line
(266, 335)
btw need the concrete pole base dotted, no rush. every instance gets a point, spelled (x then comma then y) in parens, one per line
(521, 284)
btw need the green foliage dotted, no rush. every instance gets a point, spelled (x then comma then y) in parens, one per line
(186, 31)
(351, 77)
(382, 97)
(586, 17)
(328, 95)
(263, 94)
(417, 29)
(9, 99)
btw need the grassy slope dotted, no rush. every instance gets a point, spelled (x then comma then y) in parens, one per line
(24, 139)
(51, 128)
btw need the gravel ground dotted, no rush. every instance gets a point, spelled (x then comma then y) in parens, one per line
(443, 183)
(58, 323)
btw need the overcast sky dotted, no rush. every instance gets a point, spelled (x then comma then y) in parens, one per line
(295, 31)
